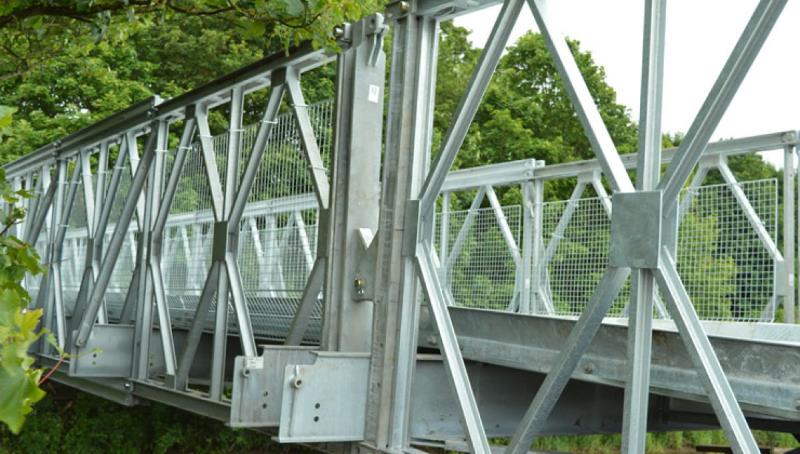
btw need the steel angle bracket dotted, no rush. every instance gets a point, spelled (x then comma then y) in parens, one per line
(107, 353)
(258, 385)
(325, 401)
(366, 263)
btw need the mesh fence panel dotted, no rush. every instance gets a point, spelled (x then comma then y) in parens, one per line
(576, 254)
(277, 240)
(725, 267)
(481, 268)
(74, 255)
(727, 271)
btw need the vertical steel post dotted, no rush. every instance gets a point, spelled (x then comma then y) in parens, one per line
(528, 246)
(53, 294)
(406, 157)
(648, 171)
(541, 303)
(796, 217)
(789, 175)
(224, 206)
(355, 197)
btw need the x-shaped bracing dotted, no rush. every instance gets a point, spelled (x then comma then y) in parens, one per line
(654, 266)
(228, 204)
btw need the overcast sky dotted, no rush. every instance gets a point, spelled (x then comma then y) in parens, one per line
(700, 35)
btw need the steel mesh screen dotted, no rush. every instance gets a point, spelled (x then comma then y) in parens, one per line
(726, 269)
(480, 267)
(575, 254)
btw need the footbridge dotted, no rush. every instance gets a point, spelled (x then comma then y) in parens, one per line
(314, 270)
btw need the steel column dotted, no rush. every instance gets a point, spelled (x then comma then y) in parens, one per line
(405, 160)
(789, 231)
(648, 172)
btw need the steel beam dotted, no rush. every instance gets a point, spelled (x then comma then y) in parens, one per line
(744, 53)
(453, 361)
(579, 339)
(115, 245)
(406, 154)
(468, 107)
(582, 100)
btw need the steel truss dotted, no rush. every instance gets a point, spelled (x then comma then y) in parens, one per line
(366, 387)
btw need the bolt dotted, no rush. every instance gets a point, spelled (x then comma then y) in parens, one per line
(127, 385)
(433, 340)
(797, 404)
(405, 7)
(588, 368)
(338, 32)
(360, 285)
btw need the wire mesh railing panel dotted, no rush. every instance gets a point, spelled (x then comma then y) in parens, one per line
(73, 260)
(276, 252)
(725, 267)
(575, 254)
(480, 267)
(188, 235)
(277, 239)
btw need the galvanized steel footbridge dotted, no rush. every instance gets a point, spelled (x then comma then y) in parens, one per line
(364, 312)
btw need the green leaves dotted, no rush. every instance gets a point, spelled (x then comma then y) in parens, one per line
(6, 114)
(252, 28)
(19, 380)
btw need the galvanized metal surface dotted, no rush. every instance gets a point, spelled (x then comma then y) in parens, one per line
(229, 240)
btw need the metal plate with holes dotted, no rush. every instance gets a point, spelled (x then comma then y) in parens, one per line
(258, 385)
(108, 353)
(325, 401)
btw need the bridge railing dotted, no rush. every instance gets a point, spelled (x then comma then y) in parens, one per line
(546, 257)
(137, 215)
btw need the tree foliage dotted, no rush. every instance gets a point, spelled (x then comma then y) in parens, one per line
(35, 26)
(19, 381)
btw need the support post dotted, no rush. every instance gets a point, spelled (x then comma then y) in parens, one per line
(789, 230)
(354, 200)
(648, 172)
(406, 156)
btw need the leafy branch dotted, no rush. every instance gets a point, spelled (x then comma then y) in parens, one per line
(19, 326)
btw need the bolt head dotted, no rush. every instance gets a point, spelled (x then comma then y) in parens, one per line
(359, 283)
(405, 7)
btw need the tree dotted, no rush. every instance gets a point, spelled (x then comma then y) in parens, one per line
(526, 112)
(32, 28)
